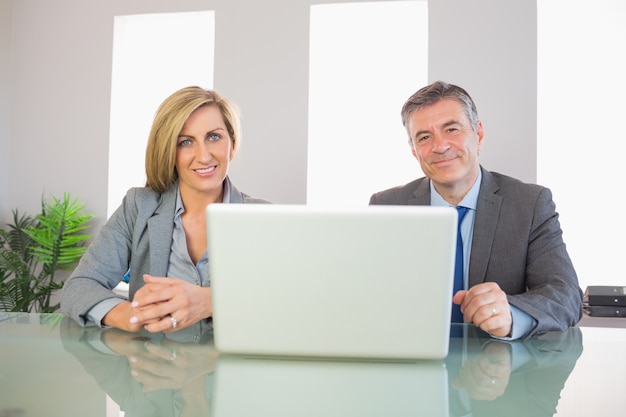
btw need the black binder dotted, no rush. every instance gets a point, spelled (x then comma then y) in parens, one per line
(606, 311)
(606, 295)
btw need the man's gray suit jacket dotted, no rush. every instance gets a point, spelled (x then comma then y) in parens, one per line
(517, 243)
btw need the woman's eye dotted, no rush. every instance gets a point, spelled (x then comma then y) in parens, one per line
(184, 142)
(213, 137)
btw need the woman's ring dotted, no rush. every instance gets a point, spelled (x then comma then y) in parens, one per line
(493, 312)
(174, 322)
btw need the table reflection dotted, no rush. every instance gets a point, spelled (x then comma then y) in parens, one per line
(247, 386)
(148, 374)
(522, 378)
(181, 374)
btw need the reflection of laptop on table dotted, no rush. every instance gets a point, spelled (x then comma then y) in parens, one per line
(287, 388)
(368, 282)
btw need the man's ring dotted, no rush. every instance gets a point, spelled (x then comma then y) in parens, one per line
(174, 322)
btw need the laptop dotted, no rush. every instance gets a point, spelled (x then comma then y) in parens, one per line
(372, 282)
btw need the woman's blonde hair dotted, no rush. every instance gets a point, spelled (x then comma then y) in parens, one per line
(168, 122)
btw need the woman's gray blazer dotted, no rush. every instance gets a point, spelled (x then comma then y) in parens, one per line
(138, 235)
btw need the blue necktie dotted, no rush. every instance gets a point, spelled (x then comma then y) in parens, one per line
(457, 316)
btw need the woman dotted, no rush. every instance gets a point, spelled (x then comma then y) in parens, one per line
(159, 231)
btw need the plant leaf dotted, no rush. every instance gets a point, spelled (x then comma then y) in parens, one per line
(33, 249)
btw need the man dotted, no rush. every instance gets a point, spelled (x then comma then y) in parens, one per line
(518, 279)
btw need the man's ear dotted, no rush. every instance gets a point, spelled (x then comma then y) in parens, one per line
(480, 133)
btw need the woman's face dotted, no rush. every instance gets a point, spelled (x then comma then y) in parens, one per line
(203, 152)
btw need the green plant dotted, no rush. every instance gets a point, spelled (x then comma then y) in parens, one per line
(34, 249)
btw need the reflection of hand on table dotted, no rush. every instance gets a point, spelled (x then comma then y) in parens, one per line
(485, 376)
(162, 365)
(171, 365)
(148, 373)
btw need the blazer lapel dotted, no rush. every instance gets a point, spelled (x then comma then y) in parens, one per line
(160, 231)
(485, 222)
(235, 195)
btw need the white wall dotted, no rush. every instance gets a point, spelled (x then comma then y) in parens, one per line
(61, 85)
(489, 47)
(5, 104)
(580, 88)
(354, 135)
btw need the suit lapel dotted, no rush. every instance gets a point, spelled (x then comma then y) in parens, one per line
(485, 223)
(421, 195)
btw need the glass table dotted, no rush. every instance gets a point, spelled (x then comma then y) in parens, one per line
(49, 366)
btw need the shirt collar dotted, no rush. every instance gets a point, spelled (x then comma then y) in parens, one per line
(180, 209)
(470, 200)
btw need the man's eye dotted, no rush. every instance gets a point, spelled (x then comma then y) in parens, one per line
(423, 138)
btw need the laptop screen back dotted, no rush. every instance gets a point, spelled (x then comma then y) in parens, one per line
(368, 282)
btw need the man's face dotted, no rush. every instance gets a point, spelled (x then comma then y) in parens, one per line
(445, 144)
